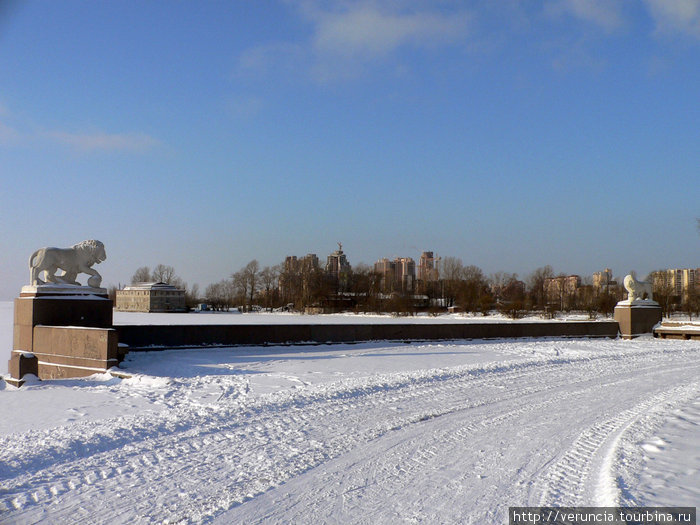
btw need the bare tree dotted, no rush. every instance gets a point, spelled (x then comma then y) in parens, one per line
(213, 294)
(663, 290)
(365, 284)
(164, 274)
(268, 281)
(142, 275)
(499, 281)
(251, 272)
(691, 301)
(192, 295)
(451, 274)
(473, 286)
(240, 286)
(112, 293)
(536, 282)
(216, 295)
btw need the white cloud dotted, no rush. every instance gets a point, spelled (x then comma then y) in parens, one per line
(674, 16)
(345, 38)
(126, 142)
(605, 14)
(369, 32)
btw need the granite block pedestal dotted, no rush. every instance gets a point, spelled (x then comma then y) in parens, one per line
(66, 329)
(637, 317)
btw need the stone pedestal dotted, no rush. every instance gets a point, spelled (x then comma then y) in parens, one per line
(637, 317)
(22, 363)
(67, 328)
(55, 306)
(74, 351)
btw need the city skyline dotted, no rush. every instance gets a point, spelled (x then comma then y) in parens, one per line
(512, 135)
(426, 267)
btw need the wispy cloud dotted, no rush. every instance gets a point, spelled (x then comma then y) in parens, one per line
(605, 14)
(671, 17)
(106, 142)
(348, 37)
(369, 32)
(674, 16)
(18, 131)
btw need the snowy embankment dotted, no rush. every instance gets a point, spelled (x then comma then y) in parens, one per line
(371, 433)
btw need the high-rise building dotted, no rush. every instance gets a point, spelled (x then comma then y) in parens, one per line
(678, 281)
(292, 264)
(603, 279)
(405, 276)
(338, 267)
(397, 275)
(387, 269)
(428, 267)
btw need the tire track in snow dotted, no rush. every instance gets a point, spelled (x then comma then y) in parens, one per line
(586, 472)
(248, 453)
(394, 467)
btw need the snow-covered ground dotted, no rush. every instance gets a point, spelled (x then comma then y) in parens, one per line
(234, 317)
(367, 433)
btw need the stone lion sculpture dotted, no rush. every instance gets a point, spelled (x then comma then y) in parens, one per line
(636, 289)
(74, 260)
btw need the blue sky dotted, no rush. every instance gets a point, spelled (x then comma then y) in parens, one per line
(511, 134)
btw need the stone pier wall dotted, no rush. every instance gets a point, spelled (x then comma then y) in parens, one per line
(169, 336)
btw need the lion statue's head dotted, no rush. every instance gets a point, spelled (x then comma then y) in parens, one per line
(93, 250)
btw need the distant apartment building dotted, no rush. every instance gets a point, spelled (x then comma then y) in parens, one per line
(677, 282)
(428, 270)
(308, 262)
(338, 267)
(405, 273)
(398, 275)
(150, 297)
(603, 279)
(561, 290)
(386, 269)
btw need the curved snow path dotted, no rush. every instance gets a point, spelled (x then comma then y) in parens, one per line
(458, 444)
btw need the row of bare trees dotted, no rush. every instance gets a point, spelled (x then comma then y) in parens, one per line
(248, 287)
(461, 286)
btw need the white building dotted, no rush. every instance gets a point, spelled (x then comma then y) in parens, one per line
(151, 297)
